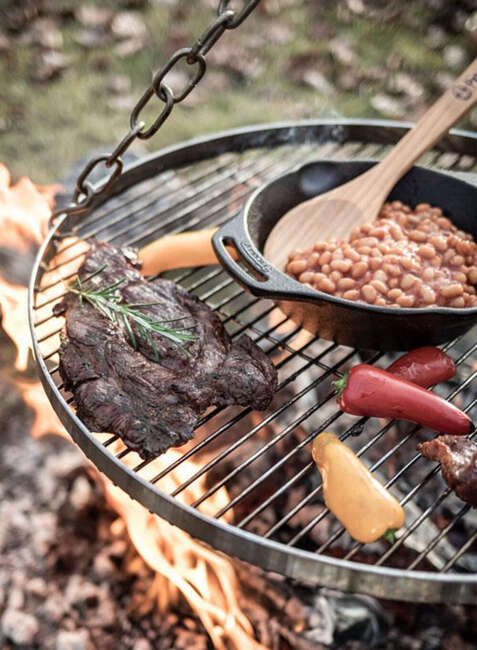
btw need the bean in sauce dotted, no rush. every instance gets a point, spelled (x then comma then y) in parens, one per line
(406, 258)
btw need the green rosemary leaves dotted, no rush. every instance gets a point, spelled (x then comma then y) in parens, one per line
(108, 301)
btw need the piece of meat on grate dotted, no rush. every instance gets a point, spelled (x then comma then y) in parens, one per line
(152, 396)
(458, 458)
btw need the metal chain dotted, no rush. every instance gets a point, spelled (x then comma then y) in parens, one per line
(194, 57)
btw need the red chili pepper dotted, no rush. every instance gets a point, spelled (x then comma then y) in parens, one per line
(370, 391)
(424, 366)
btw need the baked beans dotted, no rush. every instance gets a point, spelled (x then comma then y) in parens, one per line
(406, 258)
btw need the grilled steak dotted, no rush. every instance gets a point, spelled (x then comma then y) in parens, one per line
(458, 458)
(152, 396)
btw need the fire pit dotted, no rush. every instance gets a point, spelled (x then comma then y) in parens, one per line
(247, 485)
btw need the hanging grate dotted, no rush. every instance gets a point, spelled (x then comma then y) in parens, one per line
(247, 484)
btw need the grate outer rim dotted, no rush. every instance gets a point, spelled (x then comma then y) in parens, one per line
(271, 555)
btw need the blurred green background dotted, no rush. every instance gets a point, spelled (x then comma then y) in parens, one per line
(71, 71)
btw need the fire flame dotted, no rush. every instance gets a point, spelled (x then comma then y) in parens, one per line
(24, 210)
(14, 310)
(24, 213)
(183, 567)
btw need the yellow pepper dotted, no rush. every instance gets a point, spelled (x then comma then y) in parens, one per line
(364, 507)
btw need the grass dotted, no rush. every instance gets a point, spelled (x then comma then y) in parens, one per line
(48, 126)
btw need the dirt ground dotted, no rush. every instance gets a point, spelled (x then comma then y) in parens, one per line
(71, 71)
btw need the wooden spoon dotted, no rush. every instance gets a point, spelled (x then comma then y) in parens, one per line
(337, 212)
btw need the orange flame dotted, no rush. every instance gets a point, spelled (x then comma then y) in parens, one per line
(205, 579)
(14, 310)
(24, 210)
(46, 420)
(182, 566)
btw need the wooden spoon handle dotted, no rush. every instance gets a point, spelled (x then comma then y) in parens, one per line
(453, 104)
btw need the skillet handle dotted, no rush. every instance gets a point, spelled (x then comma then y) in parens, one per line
(257, 275)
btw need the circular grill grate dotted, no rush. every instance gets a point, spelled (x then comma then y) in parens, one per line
(247, 484)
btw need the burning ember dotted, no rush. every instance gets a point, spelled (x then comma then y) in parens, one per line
(183, 567)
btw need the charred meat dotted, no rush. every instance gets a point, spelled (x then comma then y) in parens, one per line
(152, 393)
(458, 458)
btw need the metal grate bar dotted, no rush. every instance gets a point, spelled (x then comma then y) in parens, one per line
(99, 215)
(163, 192)
(48, 302)
(254, 430)
(465, 508)
(228, 317)
(93, 233)
(221, 184)
(311, 466)
(269, 170)
(58, 239)
(110, 441)
(55, 267)
(231, 422)
(463, 549)
(176, 218)
(48, 336)
(59, 281)
(412, 492)
(309, 497)
(284, 488)
(44, 338)
(48, 356)
(391, 481)
(62, 295)
(375, 466)
(221, 191)
(123, 453)
(306, 357)
(290, 454)
(279, 464)
(44, 320)
(196, 221)
(417, 522)
(242, 329)
(319, 488)
(146, 234)
(425, 514)
(182, 277)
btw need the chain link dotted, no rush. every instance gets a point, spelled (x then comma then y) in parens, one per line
(158, 83)
(194, 57)
(84, 187)
(237, 19)
(165, 96)
(211, 35)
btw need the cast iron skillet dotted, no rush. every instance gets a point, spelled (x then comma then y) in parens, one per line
(346, 322)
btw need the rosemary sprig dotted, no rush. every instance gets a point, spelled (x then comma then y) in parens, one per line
(108, 301)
